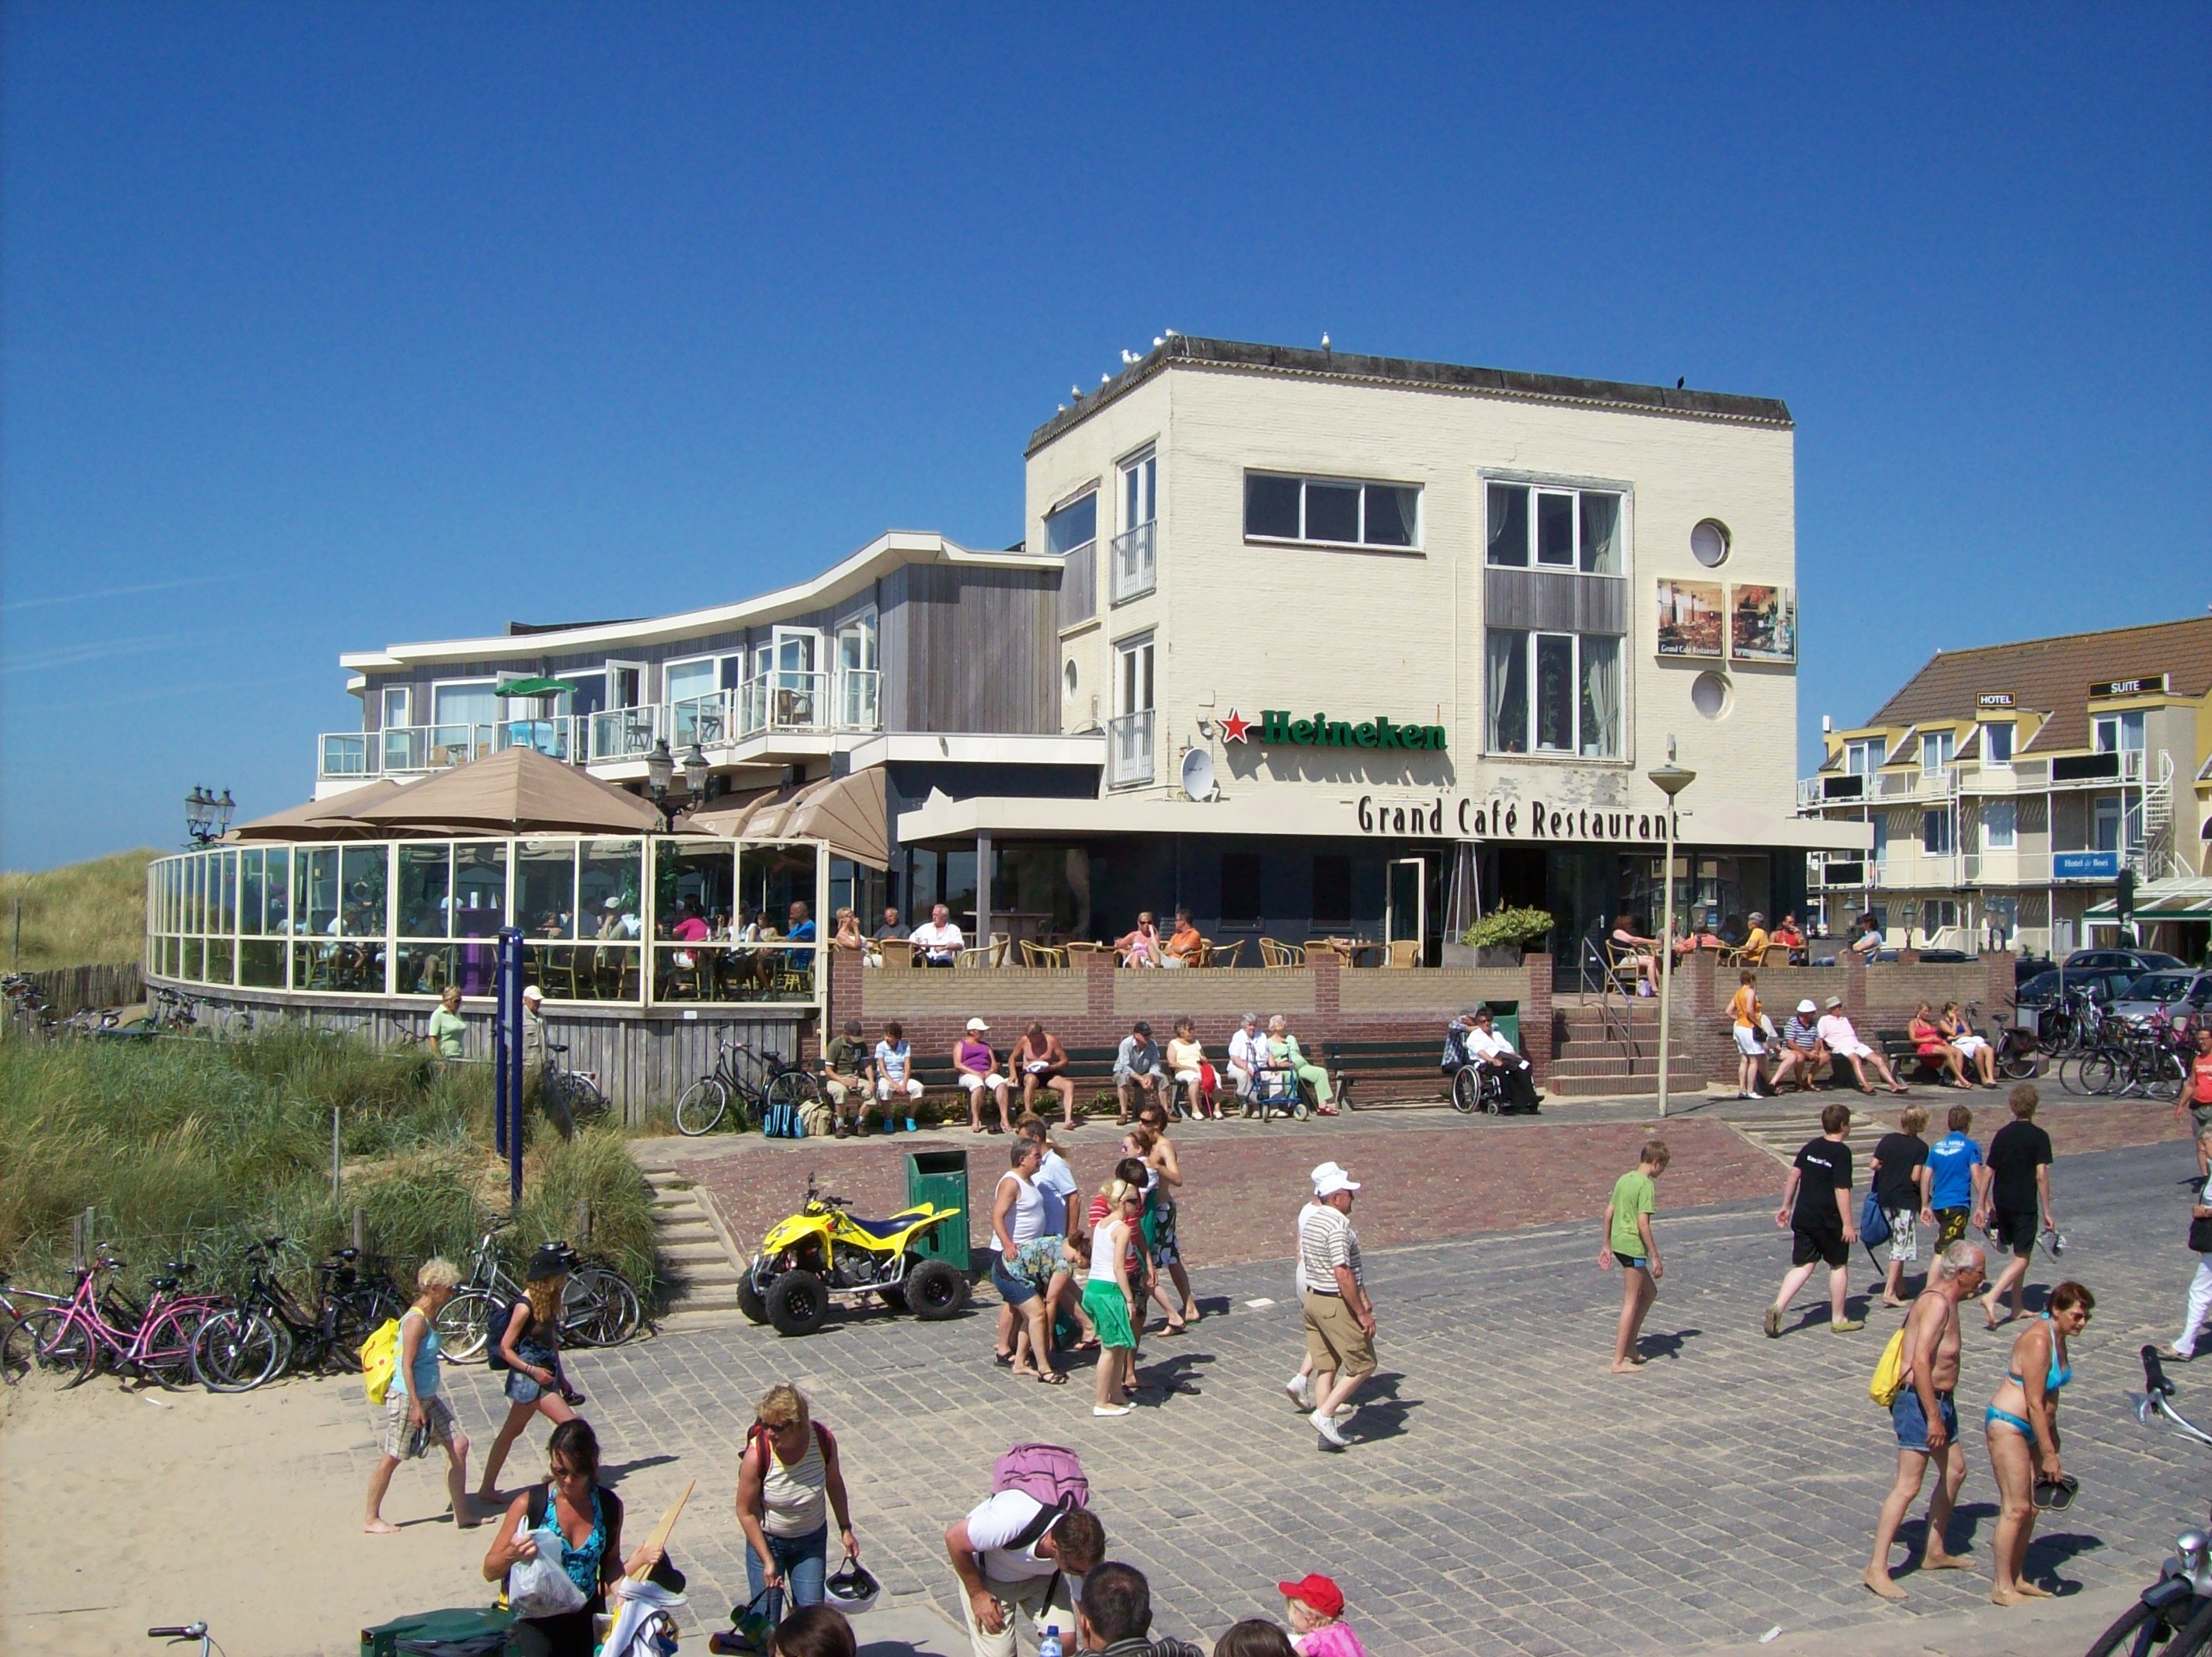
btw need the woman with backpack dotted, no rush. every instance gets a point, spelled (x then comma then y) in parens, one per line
(590, 1521)
(526, 1342)
(415, 1413)
(790, 1482)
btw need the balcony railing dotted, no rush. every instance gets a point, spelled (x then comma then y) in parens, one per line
(1129, 749)
(1133, 562)
(766, 704)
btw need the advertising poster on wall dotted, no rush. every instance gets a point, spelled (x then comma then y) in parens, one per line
(1690, 618)
(1763, 623)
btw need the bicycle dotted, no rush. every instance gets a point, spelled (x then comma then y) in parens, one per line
(2017, 1057)
(187, 1631)
(61, 1345)
(2178, 1605)
(26, 1008)
(598, 1307)
(567, 1095)
(269, 1332)
(17, 1301)
(774, 1081)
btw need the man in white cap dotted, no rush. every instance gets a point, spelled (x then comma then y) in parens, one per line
(1802, 1051)
(1340, 1319)
(533, 1063)
(1300, 1386)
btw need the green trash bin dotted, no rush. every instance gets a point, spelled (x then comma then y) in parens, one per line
(1506, 1017)
(941, 1177)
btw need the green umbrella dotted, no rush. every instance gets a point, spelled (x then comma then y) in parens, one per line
(535, 687)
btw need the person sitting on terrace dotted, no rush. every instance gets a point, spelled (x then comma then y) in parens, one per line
(1140, 947)
(1188, 1064)
(1642, 953)
(845, 929)
(1934, 1048)
(1789, 934)
(1184, 945)
(1845, 1048)
(1867, 944)
(801, 927)
(691, 926)
(1694, 940)
(890, 931)
(1756, 940)
(1042, 1062)
(976, 1067)
(1801, 1050)
(1486, 1047)
(939, 941)
(1137, 1070)
(1283, 1054)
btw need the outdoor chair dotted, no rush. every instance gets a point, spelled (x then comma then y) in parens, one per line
(1620, 966)
(1273, 952)
(897, 952)
(1404, 952)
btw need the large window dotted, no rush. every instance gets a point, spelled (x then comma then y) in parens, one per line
(2000, 825)
(1075, 524)
(1332, 887)
(1936, 832)
(1552, 692)
(1329, 512)
(1240, 887)
(1997, 743)
(1936, 748)
(1553, 528)
(1864, 758)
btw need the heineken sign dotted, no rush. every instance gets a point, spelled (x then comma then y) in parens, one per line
(1280, 728)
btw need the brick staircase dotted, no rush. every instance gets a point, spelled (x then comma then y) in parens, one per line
(1591, 1061)
(697, 1256)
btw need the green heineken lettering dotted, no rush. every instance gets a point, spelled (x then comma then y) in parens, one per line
(1276, 726)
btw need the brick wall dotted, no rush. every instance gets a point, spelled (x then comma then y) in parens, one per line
(1093, 1006)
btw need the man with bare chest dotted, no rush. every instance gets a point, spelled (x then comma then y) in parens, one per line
(1926, 1419)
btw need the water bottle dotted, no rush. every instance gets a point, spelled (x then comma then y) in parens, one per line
(1048, 1642)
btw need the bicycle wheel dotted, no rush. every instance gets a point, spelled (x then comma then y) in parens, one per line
(167, 1354)
(46, 1351)
(615, 1312)
(463, 1324)
(700, 1106)
(2016, 1063)
(791, 1086)
(2195, 1637)
(2167, 1076)
(2137, 1632)
(2100, 1071)
(238, 1351)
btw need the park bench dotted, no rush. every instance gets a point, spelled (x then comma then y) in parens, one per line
(1365, 1074)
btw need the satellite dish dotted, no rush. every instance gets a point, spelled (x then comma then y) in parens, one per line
(1198, 774)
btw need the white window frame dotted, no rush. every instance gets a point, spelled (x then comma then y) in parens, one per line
(615, 669)
(2012, 739)
(1931, 815)
(1072, 500)
(670, 666)
(863, 624)
(1575, 703)
(1138, 646)
(1864, 755)
(405, 695)
(1302, 539)
(2009, 811)
(2112, 733)
(2107, 808)
(1140, 473)
(1536, 486)
(1937, 749)
(437, 685)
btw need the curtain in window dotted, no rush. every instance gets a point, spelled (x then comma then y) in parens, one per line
(1600, 534)
(1505, 678)
(1509, 524)
(1601, 697)
(1555, 692)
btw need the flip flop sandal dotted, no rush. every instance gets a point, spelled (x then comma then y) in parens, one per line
(1052, 1378)
(1004, 1360)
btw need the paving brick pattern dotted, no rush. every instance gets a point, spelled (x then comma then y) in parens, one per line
(1504, 1493)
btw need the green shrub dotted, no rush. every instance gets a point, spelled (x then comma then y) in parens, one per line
(1506, 926)
(186, 1147)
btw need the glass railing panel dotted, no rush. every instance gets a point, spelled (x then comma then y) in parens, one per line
(702, 719)
(1134, 563)
(345, 754)
(622, 733)
(1129, 748)
(859, 693)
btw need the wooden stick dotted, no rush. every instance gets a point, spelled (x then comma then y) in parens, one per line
(660, 1537)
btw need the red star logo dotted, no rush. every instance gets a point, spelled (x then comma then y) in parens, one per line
(1234, 727)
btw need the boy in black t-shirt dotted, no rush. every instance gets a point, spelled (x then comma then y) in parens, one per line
(2020, 1191)
(1900, 1186)
(1816, 1212)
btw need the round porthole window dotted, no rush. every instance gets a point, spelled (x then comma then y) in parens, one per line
(1709, 542)
(1067, 676)
(1708, 694)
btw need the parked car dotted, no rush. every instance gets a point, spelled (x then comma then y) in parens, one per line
(2179, 992)
(2102, 985)
(2134, 961)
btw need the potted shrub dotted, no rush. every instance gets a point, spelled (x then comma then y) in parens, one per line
(1498, 939)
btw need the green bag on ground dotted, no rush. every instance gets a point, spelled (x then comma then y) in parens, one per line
(459, 1631)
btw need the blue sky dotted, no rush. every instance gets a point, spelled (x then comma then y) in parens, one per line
(326, 326)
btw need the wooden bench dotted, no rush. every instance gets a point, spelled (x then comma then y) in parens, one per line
(1091, 1070)
(1409, 1070)
(1904, 1055)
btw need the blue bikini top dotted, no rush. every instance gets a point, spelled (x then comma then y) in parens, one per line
(2061, 1371)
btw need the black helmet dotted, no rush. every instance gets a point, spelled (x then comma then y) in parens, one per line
(851, 1589)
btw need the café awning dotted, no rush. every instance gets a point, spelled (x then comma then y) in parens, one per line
(848, 813)
(2187, 898)
(332, 818)
(517, 791)
(534, 688)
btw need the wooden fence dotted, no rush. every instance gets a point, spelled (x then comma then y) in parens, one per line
(68, 988)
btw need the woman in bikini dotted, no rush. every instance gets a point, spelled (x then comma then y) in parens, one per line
(1928, 1041)
(2021, 1425)
(1166, 1169)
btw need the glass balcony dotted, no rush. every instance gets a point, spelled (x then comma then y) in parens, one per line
(707, 721)
(859, 699)
(783, 700)
(1133, 562)
(623, 733)
(1129, 749)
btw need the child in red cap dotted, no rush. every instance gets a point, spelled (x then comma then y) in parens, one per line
(1315, 1605)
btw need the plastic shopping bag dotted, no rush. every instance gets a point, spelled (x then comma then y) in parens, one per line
(641, 1623)
(541, 1587)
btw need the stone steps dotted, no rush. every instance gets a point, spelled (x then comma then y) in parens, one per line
(695, 1254)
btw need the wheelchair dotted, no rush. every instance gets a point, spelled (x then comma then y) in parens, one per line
(1479, 1088)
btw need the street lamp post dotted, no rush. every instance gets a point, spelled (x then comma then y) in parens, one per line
(207, 816)
(660, 781)
(1672, 779)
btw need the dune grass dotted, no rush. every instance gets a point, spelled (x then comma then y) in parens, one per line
(83, 914)
(191, 1147)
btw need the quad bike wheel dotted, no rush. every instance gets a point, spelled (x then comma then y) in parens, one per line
(935, 1291)
(749, 1301)
(798, 1303)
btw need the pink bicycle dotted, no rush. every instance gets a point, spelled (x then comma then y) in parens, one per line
(60, 1346)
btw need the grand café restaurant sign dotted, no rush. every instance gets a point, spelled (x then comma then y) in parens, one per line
(1465, 817)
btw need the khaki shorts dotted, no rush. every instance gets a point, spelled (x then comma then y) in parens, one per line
(1334, 1340)
(400, 1441)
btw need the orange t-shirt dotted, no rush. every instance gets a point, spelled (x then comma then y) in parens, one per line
(1744, 1004)
(2199, 1070)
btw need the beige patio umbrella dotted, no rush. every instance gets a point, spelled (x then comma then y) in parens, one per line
(319, 819)
(518, 791)
(848, 813)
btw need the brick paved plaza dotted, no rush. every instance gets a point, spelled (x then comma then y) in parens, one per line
(1505, 1492)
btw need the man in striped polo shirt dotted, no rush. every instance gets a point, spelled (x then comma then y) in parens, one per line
(1340, 1319)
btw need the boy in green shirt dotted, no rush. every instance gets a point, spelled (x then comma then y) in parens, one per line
(1628, 1241)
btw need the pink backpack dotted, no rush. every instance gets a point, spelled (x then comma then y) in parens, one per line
(1049, 1473)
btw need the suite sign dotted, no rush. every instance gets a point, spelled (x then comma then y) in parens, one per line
(1465, 817)
(1279, 727)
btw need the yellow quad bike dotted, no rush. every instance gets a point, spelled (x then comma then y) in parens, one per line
(822, 1253)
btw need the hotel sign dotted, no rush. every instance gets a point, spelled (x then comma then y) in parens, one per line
(2151, 684)
(2085, 865)
(1994, 698)
(1465, 817)
(1280, 728)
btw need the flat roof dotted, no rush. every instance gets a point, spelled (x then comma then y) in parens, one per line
(1185, 350)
